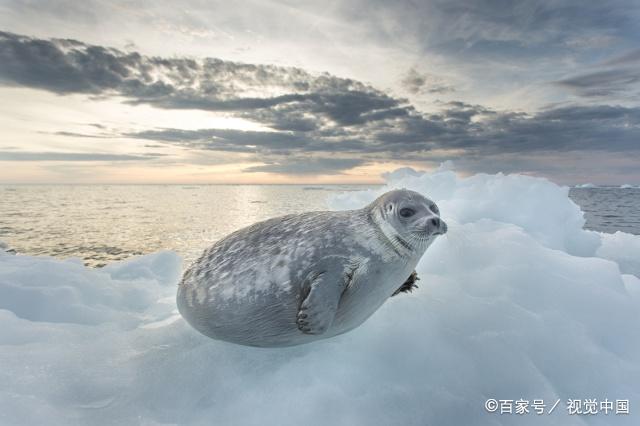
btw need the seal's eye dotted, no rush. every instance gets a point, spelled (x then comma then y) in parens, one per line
(407, 212)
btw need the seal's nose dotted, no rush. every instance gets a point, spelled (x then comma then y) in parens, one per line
(438, 226)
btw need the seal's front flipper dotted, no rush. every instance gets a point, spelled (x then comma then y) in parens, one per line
(408, 285)
(323, 288)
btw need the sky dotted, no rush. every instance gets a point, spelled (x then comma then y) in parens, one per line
(317, 92)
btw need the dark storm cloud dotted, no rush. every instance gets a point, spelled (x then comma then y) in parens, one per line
(68, 156)
(312, 116)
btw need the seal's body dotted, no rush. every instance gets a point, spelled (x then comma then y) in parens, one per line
(299, 278)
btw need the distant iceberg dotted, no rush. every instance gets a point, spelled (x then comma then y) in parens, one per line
(586, 185)
(627, 186)
(517, 301)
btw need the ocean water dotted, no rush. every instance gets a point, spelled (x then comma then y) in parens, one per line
(102, 224)
(609, 209)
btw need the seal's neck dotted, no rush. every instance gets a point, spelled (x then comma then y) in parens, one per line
(388, 235)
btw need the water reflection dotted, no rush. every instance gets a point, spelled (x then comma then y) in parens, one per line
(101, 224)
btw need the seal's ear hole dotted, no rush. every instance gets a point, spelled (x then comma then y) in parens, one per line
(389, 207)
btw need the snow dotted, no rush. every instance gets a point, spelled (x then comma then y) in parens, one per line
(517, 301)
(622, 248)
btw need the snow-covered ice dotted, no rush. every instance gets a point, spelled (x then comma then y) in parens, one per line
(517, 301)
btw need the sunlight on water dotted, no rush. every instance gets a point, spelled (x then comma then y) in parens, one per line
(101, 224)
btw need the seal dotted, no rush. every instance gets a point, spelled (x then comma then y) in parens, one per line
(299, 278)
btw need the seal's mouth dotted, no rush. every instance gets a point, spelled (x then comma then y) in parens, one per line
(433, 228)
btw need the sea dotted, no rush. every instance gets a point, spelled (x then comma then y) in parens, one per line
(101, 224)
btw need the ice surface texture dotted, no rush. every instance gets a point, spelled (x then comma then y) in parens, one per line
(517, 301)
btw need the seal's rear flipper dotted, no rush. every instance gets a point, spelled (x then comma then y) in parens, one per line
(323, 288)
(408, 285)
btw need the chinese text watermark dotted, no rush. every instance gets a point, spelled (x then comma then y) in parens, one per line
(587, 407)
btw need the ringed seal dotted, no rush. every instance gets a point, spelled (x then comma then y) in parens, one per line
(299, 278)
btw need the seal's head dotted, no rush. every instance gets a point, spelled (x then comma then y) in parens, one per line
(408, 219)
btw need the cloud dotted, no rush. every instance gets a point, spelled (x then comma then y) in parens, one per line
(616, 77)
(78, 135)
(495, 51)
(304, 166)
(474, 129)
(529, 24)
(325, 124)
(68, 156)
(415, 82)
(69, 66)
(632, 57)
(604, 83)
(226, 139)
